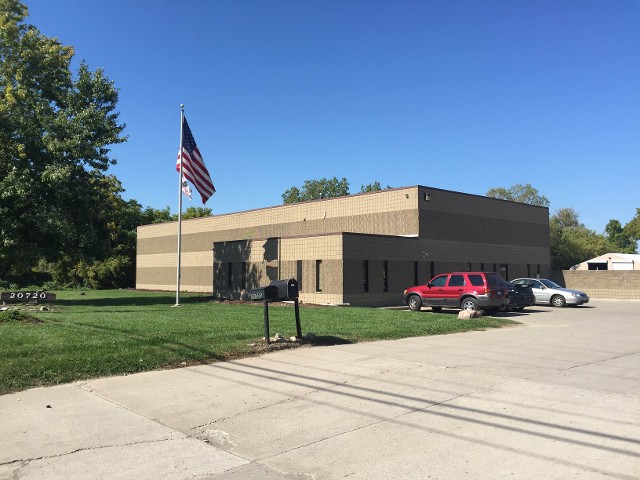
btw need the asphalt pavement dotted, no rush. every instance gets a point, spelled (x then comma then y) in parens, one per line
(557, 397)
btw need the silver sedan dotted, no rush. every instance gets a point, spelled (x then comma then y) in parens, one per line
(550, 293)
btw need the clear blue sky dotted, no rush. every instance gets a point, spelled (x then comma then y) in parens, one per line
(463, 95)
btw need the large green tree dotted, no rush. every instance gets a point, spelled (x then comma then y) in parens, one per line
(571, 241)
(619, 238)
(632, 229)
(519, 193)
(55, 131)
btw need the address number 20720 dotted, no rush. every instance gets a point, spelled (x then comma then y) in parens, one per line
(27, 296)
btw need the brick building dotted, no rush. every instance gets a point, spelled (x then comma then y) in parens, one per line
(359, 249)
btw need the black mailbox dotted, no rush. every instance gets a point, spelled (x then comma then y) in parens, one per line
(278, 290)
(270, 292)
(287, 289)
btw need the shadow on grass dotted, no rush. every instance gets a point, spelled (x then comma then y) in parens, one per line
(167, 343)
(328, 340)
(131, 301)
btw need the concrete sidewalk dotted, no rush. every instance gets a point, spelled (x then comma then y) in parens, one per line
(558, 397)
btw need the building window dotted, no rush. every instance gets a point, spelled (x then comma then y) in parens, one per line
(433, 269)
(469, 267)
(299, 274)
(229, 272)
(528, 270)
(318, 275)
(504, 270)
(365, 276)
(415, 273)
(482, 267)
(385, 276)
(494, 268)
(538, 271)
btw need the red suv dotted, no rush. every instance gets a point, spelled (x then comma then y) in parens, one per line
(464, 290)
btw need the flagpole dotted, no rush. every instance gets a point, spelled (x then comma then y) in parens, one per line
(180, 179)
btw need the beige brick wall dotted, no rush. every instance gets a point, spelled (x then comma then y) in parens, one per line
(388, 212)
(391, 212)
(259, 259)
(615, 284)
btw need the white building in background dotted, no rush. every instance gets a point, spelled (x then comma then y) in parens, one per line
(611, 261)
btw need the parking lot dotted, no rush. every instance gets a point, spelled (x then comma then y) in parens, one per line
(556, 397)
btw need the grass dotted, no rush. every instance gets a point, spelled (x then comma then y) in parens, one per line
(99, 333)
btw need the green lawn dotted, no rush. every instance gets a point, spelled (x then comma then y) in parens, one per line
(99, 333)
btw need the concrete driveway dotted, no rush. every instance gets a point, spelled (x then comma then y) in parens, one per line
(558, 397)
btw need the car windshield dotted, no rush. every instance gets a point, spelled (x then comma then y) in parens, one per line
(549, 283)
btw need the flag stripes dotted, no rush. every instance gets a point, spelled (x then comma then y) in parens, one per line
(193, 167)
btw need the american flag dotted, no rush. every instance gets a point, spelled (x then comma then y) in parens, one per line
(194, 168)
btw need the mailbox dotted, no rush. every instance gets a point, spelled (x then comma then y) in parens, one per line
(287, 289)
(270, 292)
(277, 290)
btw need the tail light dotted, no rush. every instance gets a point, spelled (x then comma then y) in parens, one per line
(491, 291)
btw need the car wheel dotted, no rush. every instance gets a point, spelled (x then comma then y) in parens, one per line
(436, 309)
(415, 303)
(469, 303)
(558, 301)
(520, 309)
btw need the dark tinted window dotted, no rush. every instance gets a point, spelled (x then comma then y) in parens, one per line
(299, 274)
(476, 280)
(456, 281)
(385, 276)
(365, 275)
(494, 280)
(439, 281)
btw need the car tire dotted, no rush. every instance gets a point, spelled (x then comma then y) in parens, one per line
(415, 303)
(520, 309)
(436, 309)
(558, 301)
(469, 303)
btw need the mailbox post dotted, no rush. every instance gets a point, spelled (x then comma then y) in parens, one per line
(277, 291)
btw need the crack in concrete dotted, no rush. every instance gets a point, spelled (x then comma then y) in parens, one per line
(84, 386)
(600, 361)
(97, 447)
(281, 402)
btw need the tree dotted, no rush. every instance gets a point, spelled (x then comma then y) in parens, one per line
(571, 241)
(373, 187)
(619, 238)
(519, 193)
(194, 212)
(155, 215)
(632, 229)
(55, 129)
(316, 189)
